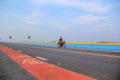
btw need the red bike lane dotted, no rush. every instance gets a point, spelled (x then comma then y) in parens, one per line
(41, 69)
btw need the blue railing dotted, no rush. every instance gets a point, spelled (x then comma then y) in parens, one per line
(88, 46)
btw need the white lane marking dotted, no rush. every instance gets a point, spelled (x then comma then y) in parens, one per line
(19, 50)
(41, 58)
(58, 63)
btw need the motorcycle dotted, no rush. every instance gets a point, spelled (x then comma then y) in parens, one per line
(61, 44)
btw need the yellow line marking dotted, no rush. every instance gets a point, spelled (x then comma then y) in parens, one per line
(96, 54)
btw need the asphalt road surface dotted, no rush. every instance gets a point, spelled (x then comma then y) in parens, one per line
(102, 65)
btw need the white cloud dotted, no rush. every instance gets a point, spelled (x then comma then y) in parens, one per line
(57, 24)
(88, 19)
(95, 6)
(107, 28)
(23, 18)
(38, 18)
(105, 32)
(33, 18)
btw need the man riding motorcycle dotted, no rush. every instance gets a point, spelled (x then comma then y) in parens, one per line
(61, 42)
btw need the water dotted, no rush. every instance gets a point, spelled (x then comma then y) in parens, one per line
(88, 46)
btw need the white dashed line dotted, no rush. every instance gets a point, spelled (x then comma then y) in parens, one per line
(19, 50)
(41, 58)
(58, 63)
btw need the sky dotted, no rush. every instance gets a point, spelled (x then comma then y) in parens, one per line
(47, 20)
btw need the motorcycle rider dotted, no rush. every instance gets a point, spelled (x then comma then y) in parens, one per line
(61, 42)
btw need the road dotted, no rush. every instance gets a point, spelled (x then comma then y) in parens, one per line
(102, 65)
